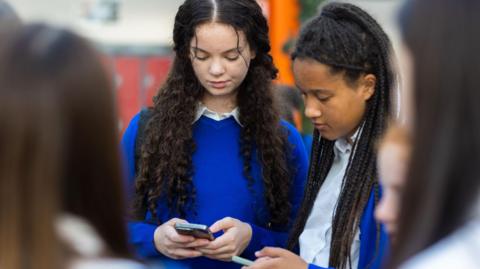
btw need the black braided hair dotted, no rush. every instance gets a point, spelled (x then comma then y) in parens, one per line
(350, 42)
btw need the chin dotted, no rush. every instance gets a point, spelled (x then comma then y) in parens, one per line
(327, 136)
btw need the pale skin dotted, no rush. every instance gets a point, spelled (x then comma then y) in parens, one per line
(220, 59)
(392, 163)
(336, 109)
(174, 245)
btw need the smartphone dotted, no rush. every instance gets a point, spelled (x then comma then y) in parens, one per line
(195, 230)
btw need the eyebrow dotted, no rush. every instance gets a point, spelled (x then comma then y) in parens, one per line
(227, 51)
(321, 91)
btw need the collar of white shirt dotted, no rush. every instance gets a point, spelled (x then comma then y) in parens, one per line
(202, 110)
(343, 146)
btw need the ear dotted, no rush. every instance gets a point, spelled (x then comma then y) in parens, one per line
(367, 86)
(253, 54)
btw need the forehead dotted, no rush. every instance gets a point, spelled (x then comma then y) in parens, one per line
(312, 75)
(217, 37)
(392, 161)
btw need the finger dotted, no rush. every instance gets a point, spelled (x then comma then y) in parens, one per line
(271, 252)
(185, 253)
(223, 224)
(264, 264)
(220, 251)
(172, 235)
(222, 257)
(198, 243)
(262, 259)
(172, 221)
(221, 241)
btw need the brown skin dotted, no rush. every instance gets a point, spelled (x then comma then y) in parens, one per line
(334, 106)
(275, 258)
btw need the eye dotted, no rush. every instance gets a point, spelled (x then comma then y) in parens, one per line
(323, 98)
(232, 57)
(201, 56)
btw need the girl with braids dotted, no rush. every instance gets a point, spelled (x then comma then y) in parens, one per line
(212, 149)
(341, 65)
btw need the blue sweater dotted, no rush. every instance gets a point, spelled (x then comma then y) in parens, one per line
(371, 257)
(221, 188)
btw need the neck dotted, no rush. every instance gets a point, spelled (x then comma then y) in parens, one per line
(220, 104)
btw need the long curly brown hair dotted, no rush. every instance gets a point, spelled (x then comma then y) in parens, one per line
(164, 167)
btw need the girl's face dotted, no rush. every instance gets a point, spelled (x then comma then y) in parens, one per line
(392, 168)
(335, 107)
(220, 58)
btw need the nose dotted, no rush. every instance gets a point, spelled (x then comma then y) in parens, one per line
(384, 211)
(312, 109)
(216, 68)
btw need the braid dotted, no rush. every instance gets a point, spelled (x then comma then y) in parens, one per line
(321, 161)
(348, 40)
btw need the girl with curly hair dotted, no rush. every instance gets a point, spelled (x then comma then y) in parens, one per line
(212, 149)
(342, 66)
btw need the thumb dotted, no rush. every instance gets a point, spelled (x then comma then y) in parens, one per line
(172, 222)
(271, 252)
(223, 224)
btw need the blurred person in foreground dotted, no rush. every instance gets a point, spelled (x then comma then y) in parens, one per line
(7, 14)
(439, 219)
(60, 179)
(393, 157)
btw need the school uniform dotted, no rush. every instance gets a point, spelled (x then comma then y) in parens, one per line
(221, 187)
(315, 240)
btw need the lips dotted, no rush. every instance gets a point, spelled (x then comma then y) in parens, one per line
(218, 84)
(320, 126)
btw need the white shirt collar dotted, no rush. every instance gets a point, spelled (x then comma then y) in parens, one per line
(343, 145)
(202, 110)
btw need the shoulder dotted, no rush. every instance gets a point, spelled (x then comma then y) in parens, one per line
(132, 126)
(137, 123)
(292, 132)
(459, 250)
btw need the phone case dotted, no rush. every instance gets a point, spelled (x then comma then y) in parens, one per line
(195, 230)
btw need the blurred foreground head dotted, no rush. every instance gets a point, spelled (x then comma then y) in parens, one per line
(7, 14)
(58, 146)
(444, 179)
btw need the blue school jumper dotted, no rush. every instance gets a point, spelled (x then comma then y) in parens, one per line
(371, 256)
(221, 189)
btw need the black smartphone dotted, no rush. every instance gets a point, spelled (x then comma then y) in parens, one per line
(195, 230)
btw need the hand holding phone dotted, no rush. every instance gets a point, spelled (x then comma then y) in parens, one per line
(195, 230)
(174, 245)
(235, 238)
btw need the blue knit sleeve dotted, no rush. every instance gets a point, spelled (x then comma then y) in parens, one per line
(372, 250)
(262, 237)
(140, 233)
